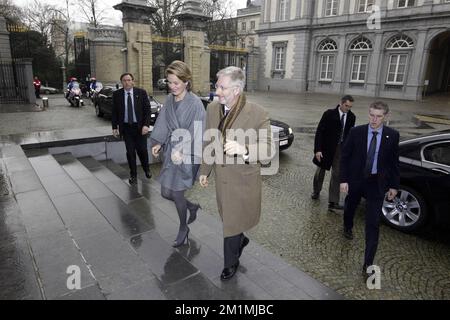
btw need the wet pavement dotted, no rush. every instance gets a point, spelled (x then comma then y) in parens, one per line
(60, 211)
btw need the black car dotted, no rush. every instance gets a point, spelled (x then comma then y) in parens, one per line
(285, 132)
(424, 194)
(103, 103)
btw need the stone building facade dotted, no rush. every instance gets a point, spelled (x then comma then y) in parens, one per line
(384, 48)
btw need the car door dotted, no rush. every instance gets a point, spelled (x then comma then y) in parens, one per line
(436, 159)
(105, 100)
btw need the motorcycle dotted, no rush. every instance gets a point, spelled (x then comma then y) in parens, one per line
(74, 96)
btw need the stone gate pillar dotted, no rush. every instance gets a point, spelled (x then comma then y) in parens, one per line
(136, 24)
(196, 51)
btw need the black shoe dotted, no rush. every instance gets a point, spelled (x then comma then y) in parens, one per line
(348, 234)
(132, 180)
(193, 214)
(314, 196)
(243, 245)
(181, 238)
(228, 273)
(334, 206)
(148, 174)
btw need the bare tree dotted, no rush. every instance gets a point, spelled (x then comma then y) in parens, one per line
(223, 27)
(61, 20)
(11, 12)
(38, 17)
(92, 11)
(164, 21)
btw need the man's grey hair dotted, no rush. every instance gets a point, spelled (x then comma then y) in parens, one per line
(380, 105)
(236, 75)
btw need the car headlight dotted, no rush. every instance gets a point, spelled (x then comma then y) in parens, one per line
(290, 130)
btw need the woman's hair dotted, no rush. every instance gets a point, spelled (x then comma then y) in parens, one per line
(181, 70)
(236, 75)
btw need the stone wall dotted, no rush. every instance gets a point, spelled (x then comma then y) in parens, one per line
(5, 50)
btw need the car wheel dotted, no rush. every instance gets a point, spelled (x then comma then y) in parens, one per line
(97, 111)
(407, 212)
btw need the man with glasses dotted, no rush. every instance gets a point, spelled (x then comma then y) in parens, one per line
(236, 161)
(331, 133)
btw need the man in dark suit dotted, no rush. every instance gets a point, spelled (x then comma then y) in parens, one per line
(331, 133)
(369, 169)
(131, 119)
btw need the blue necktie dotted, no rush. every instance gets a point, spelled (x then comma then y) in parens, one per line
(371, 154)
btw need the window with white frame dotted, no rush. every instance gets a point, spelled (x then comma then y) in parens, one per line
(331, 8)
(360, 48)
(397, 68)
(361, 43)
(405, 3)
(279, 59)
(327, 50)
(244, 26)
(326, 67)
(365, 5)
(252, 25)
(328, 45)
(283, 9)
(359, 68)
(400, 42)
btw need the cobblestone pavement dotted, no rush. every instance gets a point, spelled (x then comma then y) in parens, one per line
(297, 228)
(304, 233)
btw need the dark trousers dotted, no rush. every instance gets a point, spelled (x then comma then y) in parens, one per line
(135, 142)
(368, 189)
(37, 92)
(333, 191)
(231, 246)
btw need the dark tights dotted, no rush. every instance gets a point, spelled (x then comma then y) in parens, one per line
(181, 203)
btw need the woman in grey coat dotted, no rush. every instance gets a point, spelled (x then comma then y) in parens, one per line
(178, 134)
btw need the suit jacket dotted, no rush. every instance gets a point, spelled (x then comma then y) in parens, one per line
(141, 108)
(238, 186)
(328, 134)
(354, 155)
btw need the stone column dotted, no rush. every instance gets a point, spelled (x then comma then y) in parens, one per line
(5, 49)
(196, 52)
(136, 24)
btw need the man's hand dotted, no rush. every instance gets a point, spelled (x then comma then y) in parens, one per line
(391, 194)
(232, 147)
(115, 133)
(177, 157)
(155, 150)
(344, 187)
(319, 156)
(145, 130)
(203, 181)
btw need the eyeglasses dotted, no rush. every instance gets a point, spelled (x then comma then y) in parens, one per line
(223, 88)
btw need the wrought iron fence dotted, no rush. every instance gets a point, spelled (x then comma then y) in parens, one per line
(13, 84)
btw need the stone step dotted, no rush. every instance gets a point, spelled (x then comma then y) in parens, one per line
(170, 268)
(265, 275)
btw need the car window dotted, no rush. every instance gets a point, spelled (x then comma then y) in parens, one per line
(107, 92)
(438, 153)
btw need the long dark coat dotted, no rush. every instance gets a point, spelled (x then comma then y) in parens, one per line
(328, 134)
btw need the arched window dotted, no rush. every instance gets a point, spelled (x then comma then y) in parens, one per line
(400, 42)
(328, 45)
(327, 49)
(361, 43)
(360, 59)
(398, 61)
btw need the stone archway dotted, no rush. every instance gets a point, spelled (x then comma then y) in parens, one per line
(437, 72)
